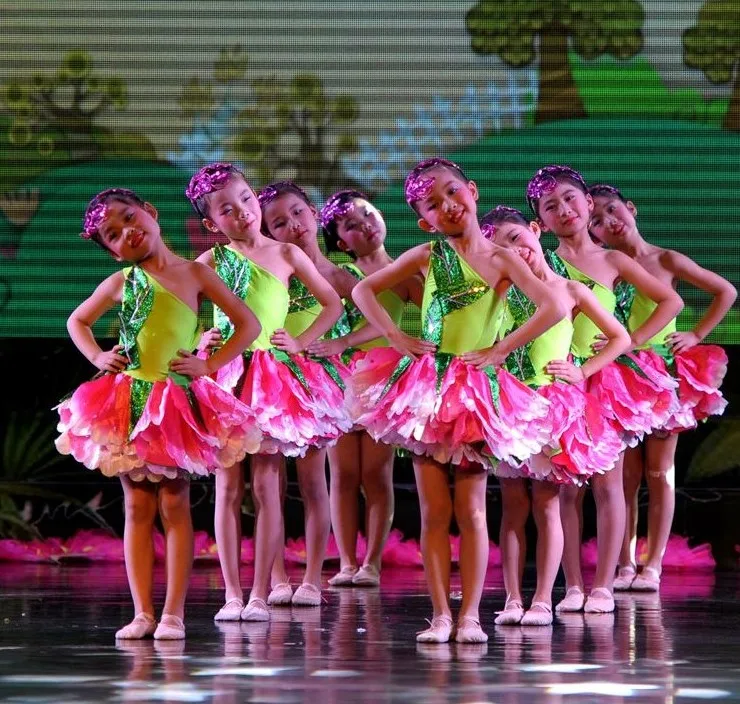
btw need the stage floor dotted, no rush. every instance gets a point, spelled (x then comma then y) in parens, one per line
(57, 625)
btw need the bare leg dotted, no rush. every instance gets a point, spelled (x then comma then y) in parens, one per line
(174, 510)
(633, 468)
(470, 514)
(315, 494)
(344, 466)
(140, 502)
(571, 517)
(546, 509)
(266, 490)
(436, 513)
(661, 481)
(228, 526)
(512, 536)
(278, 575)
(377, 481)
(610, 515)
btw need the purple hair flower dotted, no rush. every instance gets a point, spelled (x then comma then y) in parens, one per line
(267, 195)
(488, 231)
(418, 188)
(93, 218)
(209, 178)
(335, 207)
(546, 180)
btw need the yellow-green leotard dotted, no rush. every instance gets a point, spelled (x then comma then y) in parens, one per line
(633, 309)
(155, 324)
(528, 362)
(263, 293)
(585, 331)
(460, 312)
(390, 300)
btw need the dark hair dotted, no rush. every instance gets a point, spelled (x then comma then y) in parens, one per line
(329, 213)
(95, 211)
(546, 180)
(273, 191)
(604, 190)
(207, 180)
(421, 168)
(503, 213)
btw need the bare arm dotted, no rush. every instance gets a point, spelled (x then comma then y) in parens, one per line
(341, 280)
(669, 302)
(80, 323)
(618, 339)
(549, 310)
(318, 286)
(246, 326)
(365, 294)
(723, 296)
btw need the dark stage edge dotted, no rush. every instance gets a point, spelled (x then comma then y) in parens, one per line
(57, 625)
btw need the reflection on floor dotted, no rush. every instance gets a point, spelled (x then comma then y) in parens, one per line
(57, 625)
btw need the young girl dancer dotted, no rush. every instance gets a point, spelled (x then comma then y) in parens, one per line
(296, 403)
(289, 216)
(452, 407)
(354, 226)
(583, 441)
(699, 369)
(143, 419)
(636, 400)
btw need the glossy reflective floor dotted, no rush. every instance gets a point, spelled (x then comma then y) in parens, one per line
(57, 625)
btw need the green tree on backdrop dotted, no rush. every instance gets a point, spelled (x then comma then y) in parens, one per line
(64, 107)
(518, 30)
(713, 46)
(295, 129)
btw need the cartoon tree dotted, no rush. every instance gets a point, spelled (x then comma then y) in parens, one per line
(516, 30)
(295, 129)
(713, 45)
(62, 110)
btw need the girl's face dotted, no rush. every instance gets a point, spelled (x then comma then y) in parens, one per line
(362, 229)
(234, 210)
(565, 211)
(525, 241)
(612, 220)
(128, 231)
(290, 219)
(450, 207)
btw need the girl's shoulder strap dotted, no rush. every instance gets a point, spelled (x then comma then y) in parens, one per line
(625, 293)
(353, 269)
(233, 269)
(557, 264)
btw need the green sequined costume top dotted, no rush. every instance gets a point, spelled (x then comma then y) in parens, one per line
(585, 331)
(460, 312)
(263, 293)
(527, 363)
(155, 324)
(303, 308)
(633, 309)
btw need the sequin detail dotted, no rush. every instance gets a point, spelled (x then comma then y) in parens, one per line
(287, 360)
(490, 372)
(453, 291)
(632, 364)
(140, 390)
(403, 364)
(442, 361)
(300, 297)
(331, 369)
(136, 305)
(519, 362)
(236, 272)
(625, 295)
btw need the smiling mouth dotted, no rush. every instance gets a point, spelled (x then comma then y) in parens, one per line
(136, 240)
